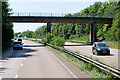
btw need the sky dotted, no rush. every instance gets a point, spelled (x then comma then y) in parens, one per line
(46, 7)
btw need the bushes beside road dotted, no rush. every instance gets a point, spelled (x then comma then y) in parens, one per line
(57, 41)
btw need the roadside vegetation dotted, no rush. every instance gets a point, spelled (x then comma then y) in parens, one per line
(88, 68)
(7, 27)
(61, 32)
(81, 32)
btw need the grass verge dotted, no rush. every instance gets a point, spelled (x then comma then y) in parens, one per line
(88, 68)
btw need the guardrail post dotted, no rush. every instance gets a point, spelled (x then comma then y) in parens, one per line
(51, 14)
(40, 14)
(29, 14)
(18, 14)
(62, 15)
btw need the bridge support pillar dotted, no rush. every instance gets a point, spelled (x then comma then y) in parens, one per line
(93, 33)
(0, 28)
(49, 27)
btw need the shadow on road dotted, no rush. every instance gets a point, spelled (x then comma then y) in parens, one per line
(78, 45)
(17, 53)
(106, 55)
(3, 69)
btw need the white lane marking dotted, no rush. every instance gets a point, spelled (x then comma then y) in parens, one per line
(16, 76)
(64, 66)
(21, 65)
(25, 58)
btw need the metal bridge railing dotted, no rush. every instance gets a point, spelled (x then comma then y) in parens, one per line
(51, 15)
(37, 14)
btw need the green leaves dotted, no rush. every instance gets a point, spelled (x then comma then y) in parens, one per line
(70, 31)
(28, 34)
(7, 31)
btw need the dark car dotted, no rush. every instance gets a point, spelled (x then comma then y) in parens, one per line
(100, 48)
(15, 38)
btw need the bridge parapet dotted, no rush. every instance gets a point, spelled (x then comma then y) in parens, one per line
(50, 15)
(37, 14)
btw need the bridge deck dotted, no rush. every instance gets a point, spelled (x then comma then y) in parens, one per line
(45, 19)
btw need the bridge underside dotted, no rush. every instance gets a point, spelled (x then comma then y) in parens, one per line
(82, 20)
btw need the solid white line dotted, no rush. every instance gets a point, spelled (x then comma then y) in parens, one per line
(21, 65)
(64, 66)
(16, 76)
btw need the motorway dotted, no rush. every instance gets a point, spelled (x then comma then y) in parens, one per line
(37, 61)
(113, 59)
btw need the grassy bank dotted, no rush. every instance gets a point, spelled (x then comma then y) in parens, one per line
(88, 68)
(112, 44)
(83, 38)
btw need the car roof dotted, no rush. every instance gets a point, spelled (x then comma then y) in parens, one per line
(17, 41)
(99, 42)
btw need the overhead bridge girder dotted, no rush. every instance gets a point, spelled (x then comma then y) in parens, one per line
(82, 20)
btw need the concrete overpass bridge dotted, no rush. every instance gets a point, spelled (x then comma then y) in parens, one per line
(61, 19)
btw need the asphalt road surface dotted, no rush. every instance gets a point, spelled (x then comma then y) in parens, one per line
(113, 59)
(37, 61)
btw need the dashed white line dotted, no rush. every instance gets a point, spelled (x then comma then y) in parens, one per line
(25, 58)
(64, 66)
(21, 65)
(16, 76)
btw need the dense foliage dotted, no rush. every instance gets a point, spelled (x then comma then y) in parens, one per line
(98, 9)
(16, 34)
(28, 34)
(7, 27)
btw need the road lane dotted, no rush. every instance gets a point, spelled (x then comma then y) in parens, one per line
(42, 65)
(86, 50)
(37, 61)
(11, 62)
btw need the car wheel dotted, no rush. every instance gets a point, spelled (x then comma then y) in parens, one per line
(96, 52)
(21, 48)
(108, 53)
(13, 48)
(93, 53)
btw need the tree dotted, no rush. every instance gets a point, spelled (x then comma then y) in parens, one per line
(27, 33)
(16, 34)
(7, 27)
(70, 31)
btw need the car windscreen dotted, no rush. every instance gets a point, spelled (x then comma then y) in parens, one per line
(101, 45)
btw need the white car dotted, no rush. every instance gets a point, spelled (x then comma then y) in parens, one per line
(17, 45)
(25, 37)
(20, 39)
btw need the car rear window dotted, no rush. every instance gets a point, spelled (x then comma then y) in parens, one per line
(17, 43)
